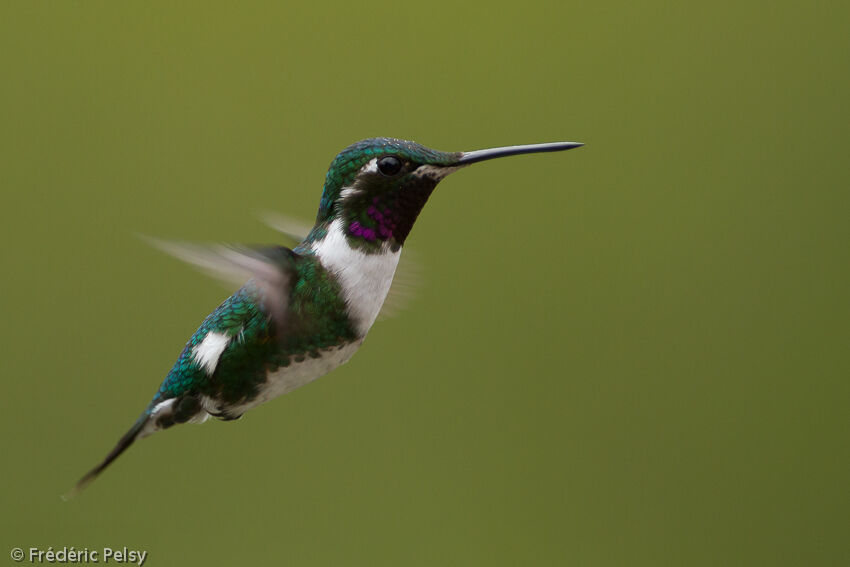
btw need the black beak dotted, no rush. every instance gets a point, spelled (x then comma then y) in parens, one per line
(481, 155)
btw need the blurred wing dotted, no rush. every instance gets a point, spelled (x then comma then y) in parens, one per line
(406, 283)
(290, 227)
(271, 268)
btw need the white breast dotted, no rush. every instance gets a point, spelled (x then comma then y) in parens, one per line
(365, 278)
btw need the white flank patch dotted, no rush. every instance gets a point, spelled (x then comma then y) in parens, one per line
(365, 278)
(150, 426)
(162, 406)
(166, 407)
(208, 352)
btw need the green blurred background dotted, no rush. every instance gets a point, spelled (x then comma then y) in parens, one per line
(635, 353)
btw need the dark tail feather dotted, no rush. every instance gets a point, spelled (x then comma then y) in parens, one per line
(119, 448)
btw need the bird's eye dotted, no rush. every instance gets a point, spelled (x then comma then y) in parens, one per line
(389, 165)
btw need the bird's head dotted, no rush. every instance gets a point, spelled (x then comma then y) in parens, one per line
(377, 187)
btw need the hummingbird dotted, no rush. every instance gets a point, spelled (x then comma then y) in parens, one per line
(304, 311)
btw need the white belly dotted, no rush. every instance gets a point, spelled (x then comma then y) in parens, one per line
(287, 378)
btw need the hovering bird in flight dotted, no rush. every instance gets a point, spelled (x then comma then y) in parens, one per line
(304, 311)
